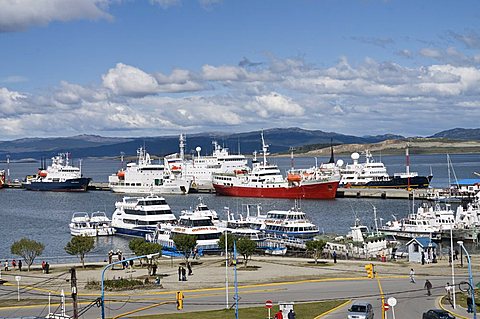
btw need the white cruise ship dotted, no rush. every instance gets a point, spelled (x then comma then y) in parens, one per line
(144, 177)
(138, 216)
(194, 222)
(200, 168)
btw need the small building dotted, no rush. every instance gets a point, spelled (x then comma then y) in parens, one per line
(419, 245)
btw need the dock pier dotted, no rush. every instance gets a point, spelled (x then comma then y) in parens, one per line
(385, 193)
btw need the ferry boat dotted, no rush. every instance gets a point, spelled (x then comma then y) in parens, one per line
(98, 224)
(144, 177)
(200, 168)
(372, 174)
(138, 216)
(190, 223)
(266, 180)
(60, 176)
(428, 221)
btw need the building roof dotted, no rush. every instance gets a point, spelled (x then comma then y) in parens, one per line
(423, 242)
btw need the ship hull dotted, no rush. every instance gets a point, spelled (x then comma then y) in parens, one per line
(70, 185)
(311, 191)
(398, 182)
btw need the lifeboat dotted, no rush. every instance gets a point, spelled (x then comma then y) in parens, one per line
(240, 171)
(176, 168)
(294, 177)
(121, 174)
(42, 173)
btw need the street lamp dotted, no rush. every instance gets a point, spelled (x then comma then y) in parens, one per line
(470, 279)
(116, 263)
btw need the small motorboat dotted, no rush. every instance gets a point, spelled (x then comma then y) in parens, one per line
(98, 224)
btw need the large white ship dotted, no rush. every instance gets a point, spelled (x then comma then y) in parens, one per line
(139, 216)
(144, 177)
(372, 174)
(200, 168)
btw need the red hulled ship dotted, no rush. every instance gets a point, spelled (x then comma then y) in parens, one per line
(266, 180)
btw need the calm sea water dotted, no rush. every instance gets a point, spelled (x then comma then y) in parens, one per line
(44, 216)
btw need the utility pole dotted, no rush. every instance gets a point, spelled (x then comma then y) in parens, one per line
(73, 280)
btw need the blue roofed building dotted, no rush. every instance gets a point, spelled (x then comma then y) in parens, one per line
(419, 245)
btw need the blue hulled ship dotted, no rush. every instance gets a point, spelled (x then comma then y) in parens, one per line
(59, 177)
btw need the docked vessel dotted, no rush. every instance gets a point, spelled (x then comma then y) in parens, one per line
(200, 168)
(144, 177)
(196, 223)
(98, 224)
(59, 176)
(266, 180)
(372, 174)
(138, 216)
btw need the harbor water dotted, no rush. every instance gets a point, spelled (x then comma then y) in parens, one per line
(44, 216)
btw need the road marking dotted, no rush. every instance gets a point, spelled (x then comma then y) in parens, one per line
(333, 309)
(450, 312)
(142, 309)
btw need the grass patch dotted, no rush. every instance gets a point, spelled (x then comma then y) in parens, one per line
(25, 302)
(302, 310)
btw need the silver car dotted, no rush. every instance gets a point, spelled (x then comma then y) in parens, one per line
(360, 310)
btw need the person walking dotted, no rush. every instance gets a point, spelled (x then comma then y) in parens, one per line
(19, 265)
(448, 290)
(179, 273)
(423, 258)
(189, 267)
(279, 315)
(291, 314)
(184, 274)
(469, 304)
(334, 257)
(428, 286)
(412, 275)
(5, 265)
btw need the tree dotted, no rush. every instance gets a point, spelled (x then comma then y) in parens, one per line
(246, 247)
(140, 247)
(28, 249)
(185, 244)
(80, 246)
(221, 242)
(315, 247)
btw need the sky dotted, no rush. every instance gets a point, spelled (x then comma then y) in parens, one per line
(162, 67)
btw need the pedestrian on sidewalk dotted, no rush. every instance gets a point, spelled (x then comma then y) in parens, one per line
(448, 290)
(334, 257)
(179, 273)
(412, 275)
(19, 265)
(184, 274)
(189, 267)
(469, 304)
(428, 286)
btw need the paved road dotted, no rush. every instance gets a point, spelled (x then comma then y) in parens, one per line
(412, 299)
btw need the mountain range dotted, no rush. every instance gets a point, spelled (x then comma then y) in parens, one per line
(279, 139)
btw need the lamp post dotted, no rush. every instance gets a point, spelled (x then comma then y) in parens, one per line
(116, 263)
(470, 279)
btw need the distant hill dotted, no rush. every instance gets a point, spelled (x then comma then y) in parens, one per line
(279, 139)
(459, 134)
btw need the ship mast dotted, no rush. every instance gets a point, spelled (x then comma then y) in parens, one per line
(265, 150)
(182, 146)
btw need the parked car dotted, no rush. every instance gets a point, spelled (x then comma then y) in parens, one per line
(360, 310)
(437, 314)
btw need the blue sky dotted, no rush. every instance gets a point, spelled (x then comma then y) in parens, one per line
(158, 67)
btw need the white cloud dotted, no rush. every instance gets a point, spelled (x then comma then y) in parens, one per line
(129, 81)
(18, 15)
(430, 53)
(11, 102)
(273, 105)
